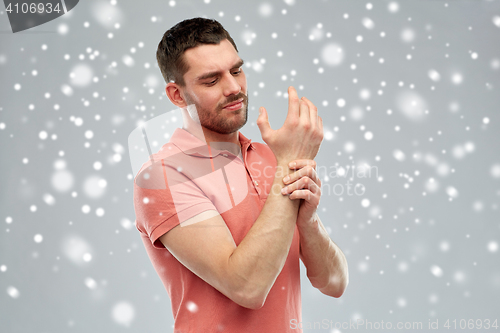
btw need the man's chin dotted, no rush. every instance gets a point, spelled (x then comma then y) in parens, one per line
(237, 118)
(239, 126)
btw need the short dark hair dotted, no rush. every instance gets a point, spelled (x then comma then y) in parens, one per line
(183, 36)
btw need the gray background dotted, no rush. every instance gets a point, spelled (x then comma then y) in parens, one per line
(422, 246)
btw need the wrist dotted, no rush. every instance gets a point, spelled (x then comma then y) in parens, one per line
(281, 171)
(308, 225)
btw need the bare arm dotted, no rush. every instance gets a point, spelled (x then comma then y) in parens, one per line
(245, 273)
(326, 264)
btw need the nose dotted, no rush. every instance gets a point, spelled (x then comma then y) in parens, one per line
(231, 86)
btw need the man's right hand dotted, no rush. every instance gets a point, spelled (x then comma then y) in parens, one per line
(301, 134)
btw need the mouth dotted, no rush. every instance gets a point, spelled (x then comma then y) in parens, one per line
(233, 106)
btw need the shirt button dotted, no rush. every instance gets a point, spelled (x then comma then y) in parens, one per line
(256, 183)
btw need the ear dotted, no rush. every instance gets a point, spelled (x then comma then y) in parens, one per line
(174, 94)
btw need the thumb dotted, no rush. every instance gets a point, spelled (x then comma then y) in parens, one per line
(263, 122)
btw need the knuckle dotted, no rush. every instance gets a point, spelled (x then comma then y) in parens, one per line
(314, 172)
(294, 122)
(316, 178)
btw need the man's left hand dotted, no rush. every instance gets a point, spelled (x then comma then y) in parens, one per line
(305, 184)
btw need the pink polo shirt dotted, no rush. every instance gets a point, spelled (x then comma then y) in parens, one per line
(187, 177)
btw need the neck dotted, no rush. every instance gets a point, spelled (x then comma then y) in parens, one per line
(206, 135)
(211, 136)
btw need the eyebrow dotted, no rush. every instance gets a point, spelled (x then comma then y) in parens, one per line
(215, 73)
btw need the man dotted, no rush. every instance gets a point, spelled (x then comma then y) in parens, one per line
(223, 232)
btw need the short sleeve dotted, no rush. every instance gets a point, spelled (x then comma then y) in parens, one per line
(165, 197)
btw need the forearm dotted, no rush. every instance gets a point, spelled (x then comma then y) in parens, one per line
(325, 263)
(258, 260)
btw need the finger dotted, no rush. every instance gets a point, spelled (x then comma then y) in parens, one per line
(305, 117)
(320, 125)
(307, 171)
(293, 103)
(263, 123)
(307, 195)
(302, 183)
(298, 164)
(313, 110)
(297, 178)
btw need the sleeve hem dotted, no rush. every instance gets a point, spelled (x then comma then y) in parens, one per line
(165, 226)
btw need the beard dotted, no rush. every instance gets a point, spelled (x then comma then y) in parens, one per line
(218, 122)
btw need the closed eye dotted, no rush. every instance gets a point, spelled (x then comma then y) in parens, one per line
(214, 81)
(211, 83)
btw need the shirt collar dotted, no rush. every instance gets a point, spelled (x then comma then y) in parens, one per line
(191, 145)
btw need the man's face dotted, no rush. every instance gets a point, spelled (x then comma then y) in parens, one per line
(217, 86)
